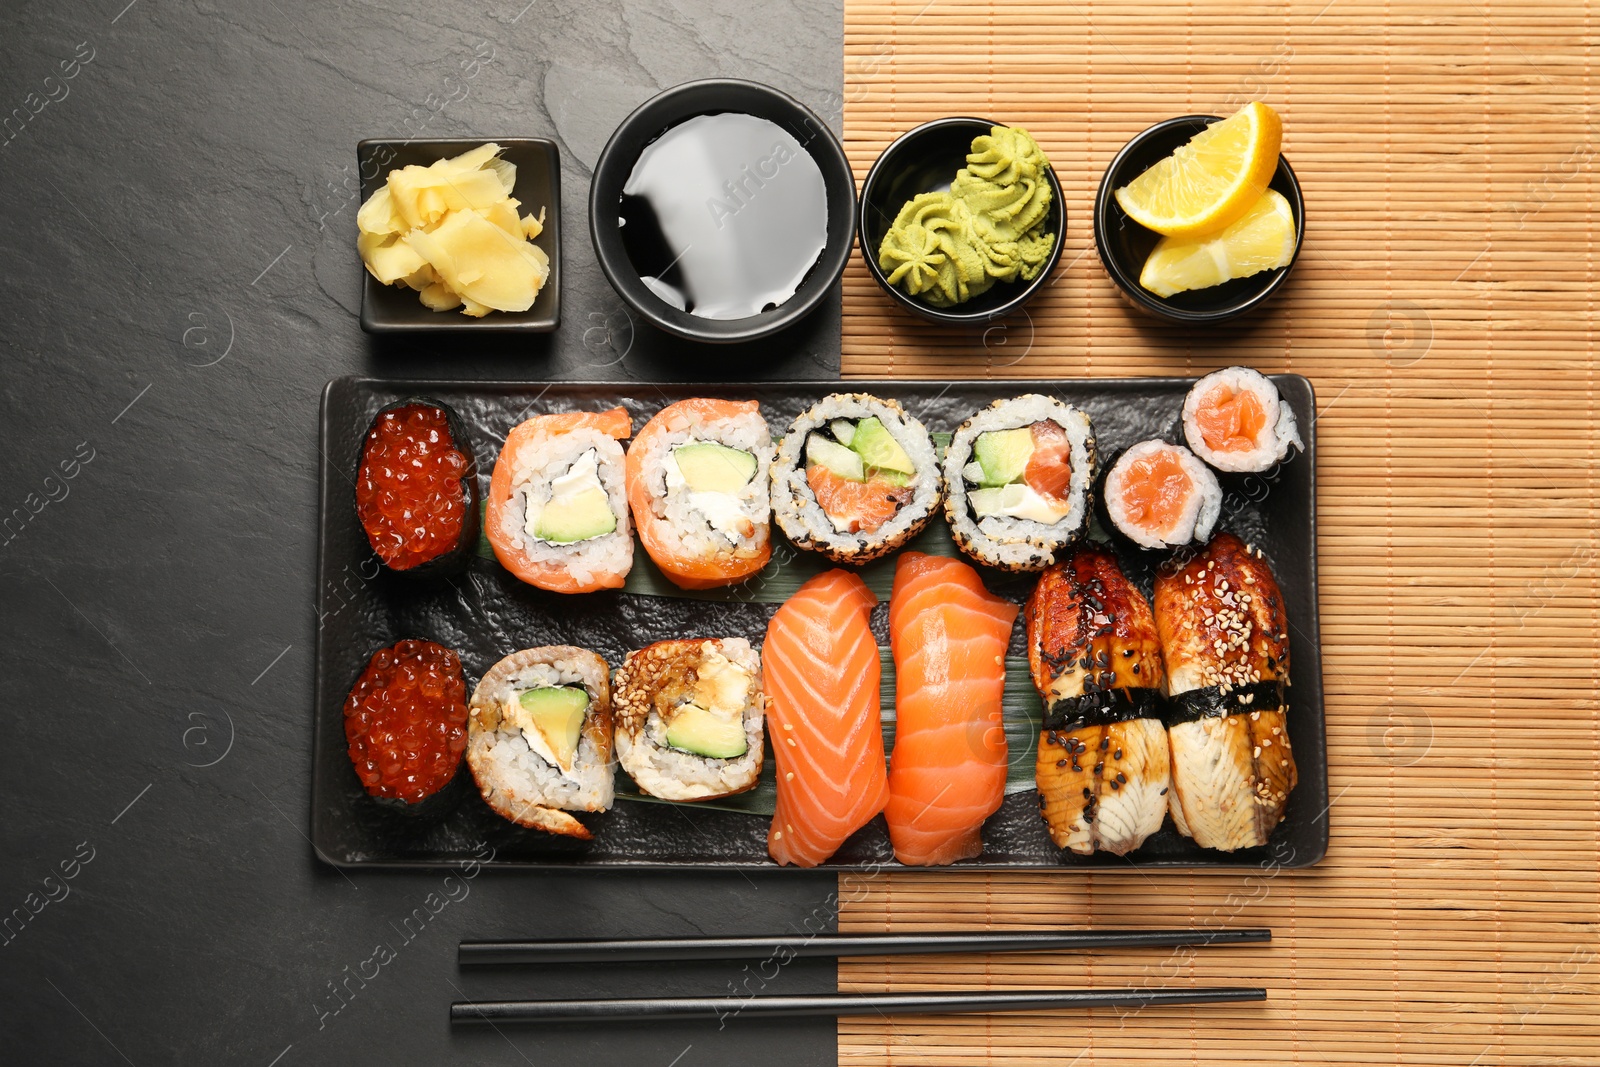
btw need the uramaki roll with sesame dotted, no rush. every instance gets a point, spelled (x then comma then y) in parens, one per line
(1225, 641)
(689, 717)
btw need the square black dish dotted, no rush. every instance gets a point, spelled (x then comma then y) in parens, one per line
(396, 309)
(486, 613)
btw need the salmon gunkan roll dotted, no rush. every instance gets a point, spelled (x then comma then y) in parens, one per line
(1160, 496)
(855, 478)
(539, 738)
(699, 487)
(1017, 481)
(689, 717)
(1235, 420)
(1225, 640)
(1103, 766)
(558, 512)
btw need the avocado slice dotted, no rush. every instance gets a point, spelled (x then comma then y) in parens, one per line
(835, 457)
(706, 733)
(585, 514)
(1003, 455)
(708, 467)
(843, 430)
(557, 714)
(878, 448)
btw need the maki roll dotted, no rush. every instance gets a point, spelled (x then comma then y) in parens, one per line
(1225, 640)
(405, 722)
(1017, 478)
(689, 718)
(1102, 763)
(539, 738)
(1235, 420)
(417, 488)
(1160, 496)
(558, 515)
(698, 484)
(855, 478)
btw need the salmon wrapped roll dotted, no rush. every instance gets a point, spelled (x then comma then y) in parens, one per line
(700, 490)
(558, 516)
(1225, 640)
(1103, 765)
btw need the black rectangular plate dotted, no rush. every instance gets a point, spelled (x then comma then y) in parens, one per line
(486, 614)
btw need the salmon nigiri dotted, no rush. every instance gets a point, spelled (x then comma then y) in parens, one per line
(820, 669)
(557, 516)
(948, 770)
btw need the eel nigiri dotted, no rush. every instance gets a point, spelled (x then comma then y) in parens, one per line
(557, 515)
(1103, 763)
(821, 672)
(948, 770)
(1225, 640)
(699, 487)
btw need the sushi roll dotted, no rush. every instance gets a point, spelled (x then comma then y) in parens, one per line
(405, 722)
(417, 488)
(539, 738)
(1103, 762)
(855, 478)
(1235, 420)
(699, 486)
(558, 514)
(1161, 496)
(689, 718)
(1017, 477)
(1225, 641)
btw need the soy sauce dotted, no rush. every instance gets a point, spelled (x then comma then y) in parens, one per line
(724, 215)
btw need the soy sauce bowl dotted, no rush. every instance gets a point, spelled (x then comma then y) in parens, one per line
(925, 160)
(714, 96)
(1124, 245)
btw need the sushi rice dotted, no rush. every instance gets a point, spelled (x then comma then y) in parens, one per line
(1195, 519)
(520, 784)
(1277, 434)
(795, 506)
(657, 675)
(1011, 543)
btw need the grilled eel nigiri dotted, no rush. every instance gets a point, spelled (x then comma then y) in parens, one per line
(1103, 767)
(1226, 644)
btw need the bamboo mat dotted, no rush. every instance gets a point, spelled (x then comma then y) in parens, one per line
(1444, 309)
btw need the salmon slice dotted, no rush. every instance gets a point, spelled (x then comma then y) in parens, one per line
(504, 539)
(821, 671)
(728, 564)
(1230, 420)
(861, 506)
(1103, 766)
(1049, 470)
(1157, 490)
(948, 770)
(1225, 640)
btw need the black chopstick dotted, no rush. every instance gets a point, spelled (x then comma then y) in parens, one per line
(574, 1011)
(635, 950)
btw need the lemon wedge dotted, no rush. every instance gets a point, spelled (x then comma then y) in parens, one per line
(1262, 240)
(1210, 182)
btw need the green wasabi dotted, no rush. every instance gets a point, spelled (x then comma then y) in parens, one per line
(948, 247)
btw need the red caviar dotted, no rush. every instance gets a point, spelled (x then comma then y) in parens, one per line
(406, 721)
(409, 494)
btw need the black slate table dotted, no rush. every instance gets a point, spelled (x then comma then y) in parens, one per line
(178, 230)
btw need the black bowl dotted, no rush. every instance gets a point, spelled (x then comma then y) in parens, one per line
(925, 160)
(1124, 245)
(396, 309)
(712, 96)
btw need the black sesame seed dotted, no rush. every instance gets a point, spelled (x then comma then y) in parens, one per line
(1121, 777)
(1116, 785)
(1163, 790)
(1088, 794)
(1061, 763)
(1099, 767)
(1117, 754)
(1105, 743)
